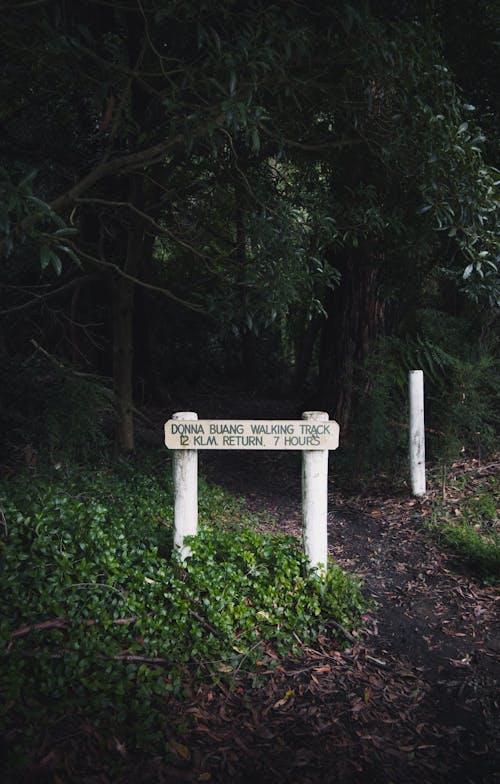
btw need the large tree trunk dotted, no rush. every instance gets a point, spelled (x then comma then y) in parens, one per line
(355, 318)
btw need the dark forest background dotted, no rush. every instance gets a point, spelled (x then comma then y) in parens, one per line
(288, 201)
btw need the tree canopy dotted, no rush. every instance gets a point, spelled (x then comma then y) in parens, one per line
(220, 184)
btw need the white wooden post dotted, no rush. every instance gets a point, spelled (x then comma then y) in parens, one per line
(417, 432)
(315, 499)
(185, 469)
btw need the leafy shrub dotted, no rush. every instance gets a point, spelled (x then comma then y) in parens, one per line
(469, 525)
(461, 397)
(102, 622)
(60, 415)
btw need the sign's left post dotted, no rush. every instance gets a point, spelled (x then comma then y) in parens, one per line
(185, 466)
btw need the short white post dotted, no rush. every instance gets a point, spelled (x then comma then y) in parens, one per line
(315, 499)
(417, 432)
(185, 469)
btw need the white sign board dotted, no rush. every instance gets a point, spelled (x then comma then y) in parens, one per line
(251, 434)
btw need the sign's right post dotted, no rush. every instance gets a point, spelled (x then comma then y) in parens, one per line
(315, 499)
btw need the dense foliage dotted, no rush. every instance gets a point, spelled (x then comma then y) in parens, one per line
(245, 192)
(101, 623)
(465, 520)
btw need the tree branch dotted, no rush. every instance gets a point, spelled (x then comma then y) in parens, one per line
(133, 279)
(318, 147)
(145, 157)
(40, 298)
(148, 219)
(63, 623)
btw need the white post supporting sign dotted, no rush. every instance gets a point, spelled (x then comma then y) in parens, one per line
(417, 432)
(185, 465)
(314, 434)
(315, 499)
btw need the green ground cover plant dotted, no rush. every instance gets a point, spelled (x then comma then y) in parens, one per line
(466, 520)
(102, 624)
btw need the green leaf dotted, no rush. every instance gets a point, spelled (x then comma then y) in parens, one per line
(232, 83)
(66, 232)
(4, 220)
(255, 140)
(26, 183)
(71, 253)
(45, 257)
(57, 264)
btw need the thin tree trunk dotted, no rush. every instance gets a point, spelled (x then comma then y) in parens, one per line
(304, 350)
(248, 339)
(144, 370)
(123, 311)
(123, 326)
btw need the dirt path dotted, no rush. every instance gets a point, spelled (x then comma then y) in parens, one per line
(414, 699)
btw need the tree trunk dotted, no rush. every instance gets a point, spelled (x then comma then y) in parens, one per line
(123, 325)
(248, 338)
(355, 318)
(304, 351)
(144, 370)
(123, 313)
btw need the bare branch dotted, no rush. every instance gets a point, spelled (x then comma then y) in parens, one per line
(41, 298)
(27, 4)
(133, 279)
(316, 147)
(148, 219)
(132, 73)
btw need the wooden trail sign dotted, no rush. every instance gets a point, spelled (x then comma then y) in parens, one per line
(315, 434)
(251, 434)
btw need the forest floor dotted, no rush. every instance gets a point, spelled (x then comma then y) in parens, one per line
(412, 698)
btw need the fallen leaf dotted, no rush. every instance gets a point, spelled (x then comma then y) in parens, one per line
(223, 667)
(180, 749)
(284, 700)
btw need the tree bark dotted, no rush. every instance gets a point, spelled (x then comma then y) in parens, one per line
(123, 324)
(304, 351)
(123, 310)
(355, 317)
(248, 339)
